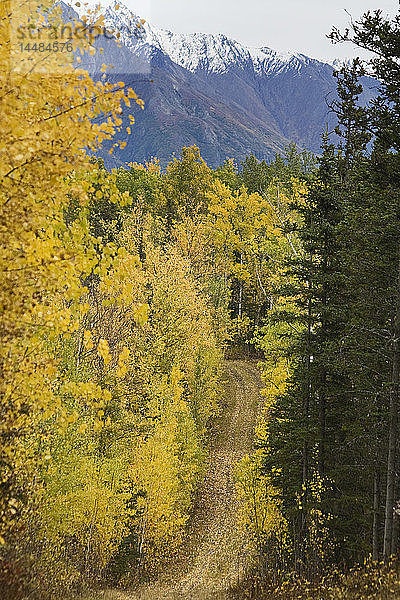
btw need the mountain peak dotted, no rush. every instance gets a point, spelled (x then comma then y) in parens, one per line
(212, 53)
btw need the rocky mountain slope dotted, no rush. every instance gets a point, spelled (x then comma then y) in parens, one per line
(209, 90)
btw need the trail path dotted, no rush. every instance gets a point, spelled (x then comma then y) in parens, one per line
(215, 552)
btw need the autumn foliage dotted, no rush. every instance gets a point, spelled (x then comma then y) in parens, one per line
(120, 293)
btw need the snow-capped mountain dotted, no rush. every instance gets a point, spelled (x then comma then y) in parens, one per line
(197, 51)
(209, 90)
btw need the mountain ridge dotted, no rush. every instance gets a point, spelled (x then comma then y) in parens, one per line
(208, 90)
(193, 51)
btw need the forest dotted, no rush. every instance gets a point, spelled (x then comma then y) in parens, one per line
(126, 298)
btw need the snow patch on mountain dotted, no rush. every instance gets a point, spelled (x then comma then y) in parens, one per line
(196, 51)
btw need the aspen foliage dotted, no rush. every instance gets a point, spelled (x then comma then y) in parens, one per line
(48, 116)
(261, 509)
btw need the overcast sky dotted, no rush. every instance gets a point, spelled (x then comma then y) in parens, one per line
(293, 25)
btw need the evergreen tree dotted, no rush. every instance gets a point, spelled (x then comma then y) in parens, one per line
(380, 36)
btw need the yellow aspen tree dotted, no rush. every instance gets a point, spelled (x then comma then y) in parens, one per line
(50, 114)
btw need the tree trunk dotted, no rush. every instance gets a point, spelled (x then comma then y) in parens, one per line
(323, 374)
(375, 525)
(240, 291)
(322, 424)
(395, 532)
(306, 448)
(393, 425)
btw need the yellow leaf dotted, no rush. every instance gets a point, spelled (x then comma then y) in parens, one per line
(141, 313)
(88, 340)
(103, 351)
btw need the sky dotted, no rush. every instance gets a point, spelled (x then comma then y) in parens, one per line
(284, 25)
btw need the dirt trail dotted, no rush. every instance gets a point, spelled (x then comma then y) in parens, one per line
(215, 551)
